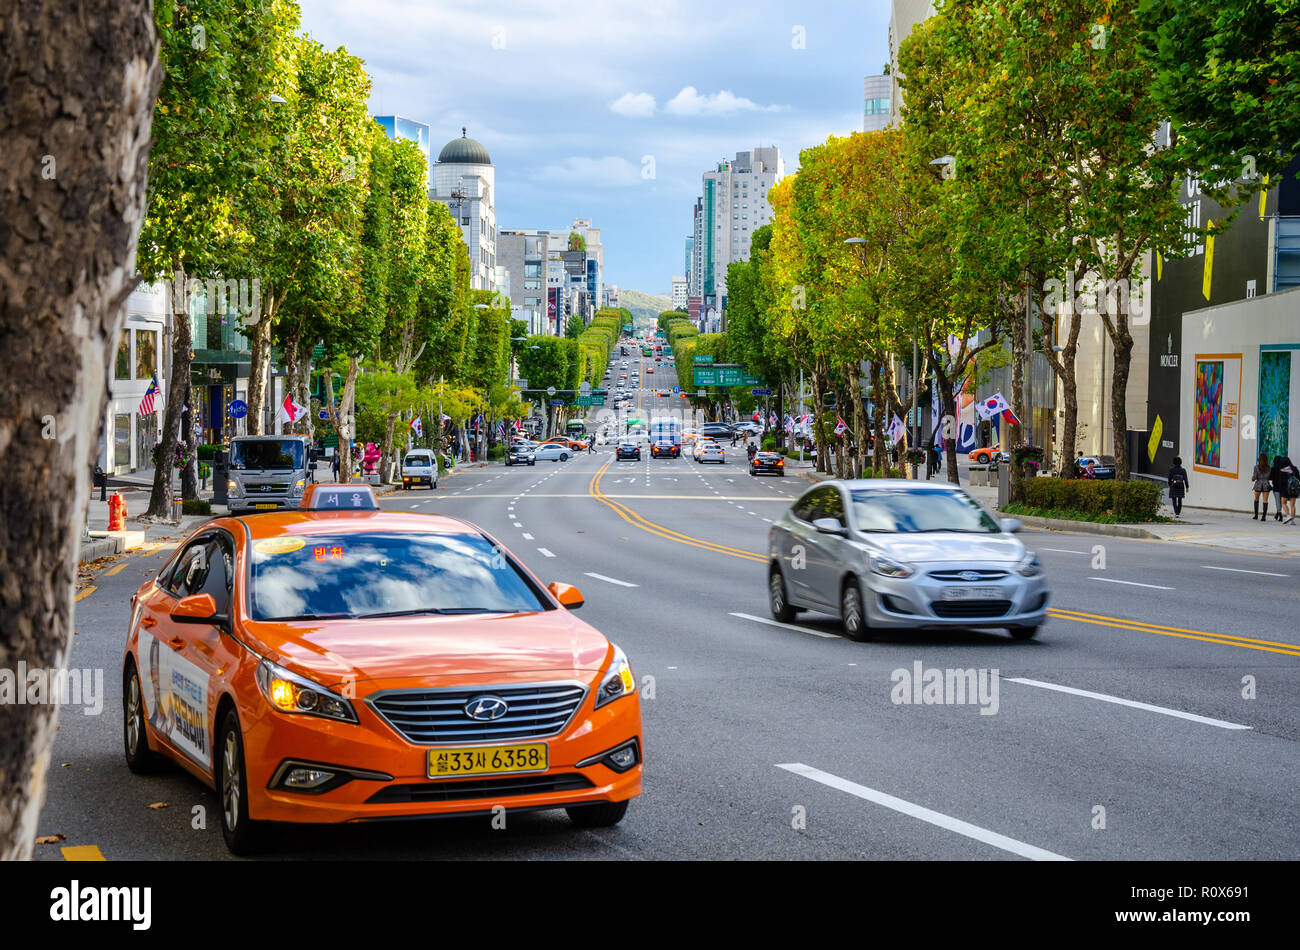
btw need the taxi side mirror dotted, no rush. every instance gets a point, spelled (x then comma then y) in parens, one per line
(199, 608)
(568, 595)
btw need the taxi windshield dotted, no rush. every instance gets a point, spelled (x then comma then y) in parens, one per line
(384, 574)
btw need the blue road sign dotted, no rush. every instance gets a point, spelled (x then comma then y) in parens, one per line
(677, 390)
(238, 409)
(760, 392)
(323, 415)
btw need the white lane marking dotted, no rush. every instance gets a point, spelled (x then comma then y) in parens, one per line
(1163, 710)
(787, 626)
(528, 537)
(610, 580)
(1062, 551)
(768, 520)
(518, 524)
(545, 552)
(1111, 580)
(925, 814)
(1238, 570)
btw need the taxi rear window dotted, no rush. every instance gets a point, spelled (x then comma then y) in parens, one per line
(384, 574)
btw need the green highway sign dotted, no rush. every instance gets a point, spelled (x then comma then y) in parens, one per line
(591, 400)
(706, 377)
(752, 381)
(702, 359)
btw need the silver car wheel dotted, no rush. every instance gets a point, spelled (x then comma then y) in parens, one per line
(230, 780)
(133, 716)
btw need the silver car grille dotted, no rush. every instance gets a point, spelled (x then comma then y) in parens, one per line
(956, 576)
(433, 716)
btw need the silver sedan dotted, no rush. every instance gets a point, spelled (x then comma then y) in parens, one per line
(891, 553)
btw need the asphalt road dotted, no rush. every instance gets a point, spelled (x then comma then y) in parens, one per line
(766, 741)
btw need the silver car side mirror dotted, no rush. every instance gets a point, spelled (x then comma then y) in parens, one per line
(831, 526)
(1011, 525)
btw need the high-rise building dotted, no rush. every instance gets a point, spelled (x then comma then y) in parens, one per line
(876, 93)
(903, 16)
(570, 280)
(679, 294)
(610, 295)
(733, 205)
(464, 179)
(523, 256)
(694, 270)
(399, 127)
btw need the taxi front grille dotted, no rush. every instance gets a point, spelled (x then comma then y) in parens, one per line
(435, 716)
(479, 788)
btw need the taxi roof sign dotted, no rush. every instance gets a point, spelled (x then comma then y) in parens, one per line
(339, 498)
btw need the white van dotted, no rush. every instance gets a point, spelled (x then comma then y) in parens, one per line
(420, 467)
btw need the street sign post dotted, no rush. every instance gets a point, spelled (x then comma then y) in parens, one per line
(238, 409)
(760, 392)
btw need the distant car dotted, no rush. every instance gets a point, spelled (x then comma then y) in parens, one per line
(709, 451)
(716, 430)
(1103, 466)
(521, 454)
(419, 467)
(767, 463)
(751, 428)
(569, 442)
(665, 448)
(986, 455)
(627, 450)
(552, 452)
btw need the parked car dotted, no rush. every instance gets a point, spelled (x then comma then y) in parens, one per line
(716, 430)
(890, 554)
(420, 467)
(989, 453)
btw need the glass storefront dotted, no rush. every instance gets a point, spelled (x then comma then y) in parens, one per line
(146, 353)
(122, 443)
(146, 437)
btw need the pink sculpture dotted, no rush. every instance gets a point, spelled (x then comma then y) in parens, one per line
(371, 457)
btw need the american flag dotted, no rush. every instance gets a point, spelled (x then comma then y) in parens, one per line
(146, 404)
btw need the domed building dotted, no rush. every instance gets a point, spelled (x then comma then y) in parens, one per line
(464, 179)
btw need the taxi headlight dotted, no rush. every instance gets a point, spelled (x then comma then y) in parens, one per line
(290, 693)
(888, 567)
(1030, 567)
(618, 682)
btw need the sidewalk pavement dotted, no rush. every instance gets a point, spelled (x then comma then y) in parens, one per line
(1211, 527)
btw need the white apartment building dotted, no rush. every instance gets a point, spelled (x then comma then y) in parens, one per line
(679, 292)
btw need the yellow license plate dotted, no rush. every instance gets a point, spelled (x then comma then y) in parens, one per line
(264, 506)
(487, 760)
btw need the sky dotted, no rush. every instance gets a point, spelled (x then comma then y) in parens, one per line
(613, 109)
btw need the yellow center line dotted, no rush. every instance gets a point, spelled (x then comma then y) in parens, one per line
(1223, 639)
(82, 852)
(82, 595)
(114, 570)
(632, 518)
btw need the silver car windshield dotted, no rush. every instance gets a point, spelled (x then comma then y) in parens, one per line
(910, 511)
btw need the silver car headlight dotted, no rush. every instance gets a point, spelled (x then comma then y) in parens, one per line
(618, 682)
(234, 488)
(888, 567)
(1029, 566)
(298, 486)
(290, 693)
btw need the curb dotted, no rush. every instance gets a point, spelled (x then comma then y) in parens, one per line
(100, 547)
(1086, 527)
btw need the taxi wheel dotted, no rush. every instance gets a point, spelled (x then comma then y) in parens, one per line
(777, 600)
(852, 613)
(982, 459)
(604, 815)
(139, 758)
(241, 833)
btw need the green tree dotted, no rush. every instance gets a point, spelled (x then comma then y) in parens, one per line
(1227, 74)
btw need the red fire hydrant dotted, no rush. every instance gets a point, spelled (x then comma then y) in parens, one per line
(116, 512)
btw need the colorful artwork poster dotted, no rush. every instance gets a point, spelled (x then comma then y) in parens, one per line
(1217, 413)
(175, 698)
(1275, 376)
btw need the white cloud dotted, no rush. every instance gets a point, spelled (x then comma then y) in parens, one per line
(636, 105)
(690, 102)
(611, 171)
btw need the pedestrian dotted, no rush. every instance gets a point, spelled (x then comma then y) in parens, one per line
(102, 481)
(1088, 470)
(1178, 484)
(591, 446)
(1286, 483)
(334, 464)
(1262, 484)
(735, 436)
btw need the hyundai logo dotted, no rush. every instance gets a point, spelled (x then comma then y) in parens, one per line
(486, 708)
(969, 575)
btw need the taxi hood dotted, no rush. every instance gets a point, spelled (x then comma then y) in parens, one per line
(432, 646)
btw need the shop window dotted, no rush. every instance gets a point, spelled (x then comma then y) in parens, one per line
(123, 370)
(146, 353)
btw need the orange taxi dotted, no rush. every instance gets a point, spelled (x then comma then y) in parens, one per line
(342, 663)
(576, 445)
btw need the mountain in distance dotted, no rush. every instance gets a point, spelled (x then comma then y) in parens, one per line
(645, 308)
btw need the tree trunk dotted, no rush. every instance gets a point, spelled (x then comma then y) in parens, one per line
(859, 419)
(75, 118)
(347, 424)
(819, 424)
(1123, 341)
(160, 499)
(950, 444)
(291, 377)
(387, 455)
(258, 374)
(879, 456)
(1011, 435)
(190, 470)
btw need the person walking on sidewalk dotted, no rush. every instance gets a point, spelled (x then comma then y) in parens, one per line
(334, 464)
(1262, 484)
(1177, 485)
(1286, 484)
